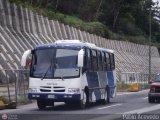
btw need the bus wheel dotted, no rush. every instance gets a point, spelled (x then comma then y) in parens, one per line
(85, 101)
(106, 96)
(41, 104)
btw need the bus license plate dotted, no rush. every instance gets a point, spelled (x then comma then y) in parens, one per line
(51, 96)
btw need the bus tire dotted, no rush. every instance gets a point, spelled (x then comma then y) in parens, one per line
(41, 104)
(85, 101)
(106, 96)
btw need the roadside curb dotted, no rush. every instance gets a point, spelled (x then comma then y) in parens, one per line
(125, 93)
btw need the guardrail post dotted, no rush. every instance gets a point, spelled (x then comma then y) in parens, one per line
(9, 96)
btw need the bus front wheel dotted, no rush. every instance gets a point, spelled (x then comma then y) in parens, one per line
(41, 104)
(85, 101)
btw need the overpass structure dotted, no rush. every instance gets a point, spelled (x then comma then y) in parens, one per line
(21, 29)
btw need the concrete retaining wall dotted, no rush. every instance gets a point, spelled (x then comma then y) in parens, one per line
(21, 29)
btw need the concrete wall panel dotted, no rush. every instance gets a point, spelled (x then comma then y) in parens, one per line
(21, 29)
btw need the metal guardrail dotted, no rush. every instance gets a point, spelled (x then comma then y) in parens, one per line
(14, 85)
(128, 78)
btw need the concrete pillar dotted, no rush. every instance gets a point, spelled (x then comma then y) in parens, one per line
(58, 30)
(68, 32)
(80, 37)
(24, 26)
(72, 33)
(7, 13)
(63, 30)
(18, 26)
(53, 30)
(97, 40)
(89, 38)
(28, 29)
(7, 35)
(100, 41)
(48, 29)
(39, 29)
(14, 27)
(85, 36)
(76, 33)
(8, 47)
(43, 29)
(2, 14)
(104, 41)
(31, 27)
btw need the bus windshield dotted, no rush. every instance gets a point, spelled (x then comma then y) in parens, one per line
(54, 63)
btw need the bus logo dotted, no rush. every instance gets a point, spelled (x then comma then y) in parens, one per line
(52, 84)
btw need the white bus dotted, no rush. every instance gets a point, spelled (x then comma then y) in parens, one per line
(70, 71)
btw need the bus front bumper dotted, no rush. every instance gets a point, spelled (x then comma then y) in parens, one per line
(55, 97)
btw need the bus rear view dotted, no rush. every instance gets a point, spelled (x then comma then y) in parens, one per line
(57, 74)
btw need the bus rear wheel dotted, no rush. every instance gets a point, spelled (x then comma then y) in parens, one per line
(106, 96)
(41, 104)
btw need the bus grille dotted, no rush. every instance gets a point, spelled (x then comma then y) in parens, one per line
(59, 89)
(45, 88)
(52, 89)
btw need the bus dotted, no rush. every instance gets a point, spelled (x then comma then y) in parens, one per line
(70, 71)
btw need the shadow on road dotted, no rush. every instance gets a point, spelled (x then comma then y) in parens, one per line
(74, 107)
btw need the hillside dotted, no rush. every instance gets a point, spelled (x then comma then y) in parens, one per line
(113, 19)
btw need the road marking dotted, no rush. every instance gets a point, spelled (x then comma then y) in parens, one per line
(123, 94)
(109, 106)
(144, 110)
(145, 98)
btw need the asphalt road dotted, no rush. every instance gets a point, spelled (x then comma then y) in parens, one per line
(125, 106)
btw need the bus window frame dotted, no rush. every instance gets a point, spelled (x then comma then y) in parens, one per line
(112, 61)
(94, 60)
(99, 56)
(108, 63)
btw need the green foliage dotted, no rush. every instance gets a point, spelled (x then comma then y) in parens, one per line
(114, 19)
(127, 27)
(135, 39)
(4, 99)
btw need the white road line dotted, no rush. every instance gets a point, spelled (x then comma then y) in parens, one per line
(123, 94)
(109, 106)
(144, 110)
(145, 98)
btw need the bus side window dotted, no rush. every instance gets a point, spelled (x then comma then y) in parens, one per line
(108, 61)
(112, 61)
(99, 55)
(94, 60)
(104, 66)
(88, 64)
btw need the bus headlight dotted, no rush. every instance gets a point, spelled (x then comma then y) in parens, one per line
(73, 90)
(32, 90)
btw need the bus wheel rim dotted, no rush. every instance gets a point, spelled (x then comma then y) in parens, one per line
(84, 98)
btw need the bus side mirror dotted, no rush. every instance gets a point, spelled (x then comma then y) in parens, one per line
(24, 57)
(80, 58)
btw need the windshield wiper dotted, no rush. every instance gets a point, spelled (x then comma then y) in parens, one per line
(47, 70)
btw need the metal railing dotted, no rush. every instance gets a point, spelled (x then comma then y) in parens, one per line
(14, 85)
(128, 78)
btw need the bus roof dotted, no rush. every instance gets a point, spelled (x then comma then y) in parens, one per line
(72, 43)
